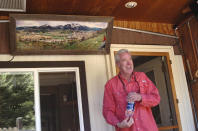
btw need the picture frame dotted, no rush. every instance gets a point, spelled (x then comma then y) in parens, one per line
(32, 34)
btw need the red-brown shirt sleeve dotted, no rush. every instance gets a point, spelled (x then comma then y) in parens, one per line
(150, 95)
(109, 106)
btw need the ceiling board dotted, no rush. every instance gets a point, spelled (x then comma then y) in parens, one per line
(163, 11)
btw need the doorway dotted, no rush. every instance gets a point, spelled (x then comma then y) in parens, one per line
(178, 82)
(58, 99)
(156, 68)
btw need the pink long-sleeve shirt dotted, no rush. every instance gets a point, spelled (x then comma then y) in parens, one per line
(114, 102)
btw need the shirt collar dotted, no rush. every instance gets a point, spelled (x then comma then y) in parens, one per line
(131, 77)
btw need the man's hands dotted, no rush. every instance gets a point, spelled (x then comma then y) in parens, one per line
(127, 122)
(133, 96)
(129, 113)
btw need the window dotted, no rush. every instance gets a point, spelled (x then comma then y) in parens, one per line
(49, 96)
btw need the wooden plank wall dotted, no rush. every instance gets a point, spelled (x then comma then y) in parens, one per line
(4, 38)
(162, 28)
(121, 36)
(4, 17)
(188, 33)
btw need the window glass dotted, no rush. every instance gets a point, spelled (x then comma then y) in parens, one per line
(17, 101)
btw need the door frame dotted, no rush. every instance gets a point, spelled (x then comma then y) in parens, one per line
(177, 78)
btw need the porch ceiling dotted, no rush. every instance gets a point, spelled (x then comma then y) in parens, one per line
(164, 11)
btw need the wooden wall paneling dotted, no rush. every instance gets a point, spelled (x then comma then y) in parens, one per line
(121, 36)
(163, 28)
(194, 89)
(187, 47)
(188, 34)
(4, 38)
(4, 17)
(193, 29)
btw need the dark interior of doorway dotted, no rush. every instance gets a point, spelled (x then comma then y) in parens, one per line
(58, 100)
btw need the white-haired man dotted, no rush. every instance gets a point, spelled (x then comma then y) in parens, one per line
(130, 86)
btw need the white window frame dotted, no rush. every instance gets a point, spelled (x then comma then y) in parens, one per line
(36, 72)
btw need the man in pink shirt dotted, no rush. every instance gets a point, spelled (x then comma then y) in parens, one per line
(130, 86)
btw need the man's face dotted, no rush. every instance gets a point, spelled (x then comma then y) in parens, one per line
(125, 64)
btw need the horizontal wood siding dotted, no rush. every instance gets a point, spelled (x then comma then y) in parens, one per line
(121, 36)
(4, 38)
(162, 28)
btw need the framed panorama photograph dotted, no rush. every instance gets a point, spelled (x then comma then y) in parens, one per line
(59, 34)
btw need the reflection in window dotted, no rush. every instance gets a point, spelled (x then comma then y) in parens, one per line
(58, 98)
(17, 101)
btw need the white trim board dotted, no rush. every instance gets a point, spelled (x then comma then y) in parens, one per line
(179, 78)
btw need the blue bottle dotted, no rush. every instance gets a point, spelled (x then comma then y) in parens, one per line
(130, 106)
(130, 109)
